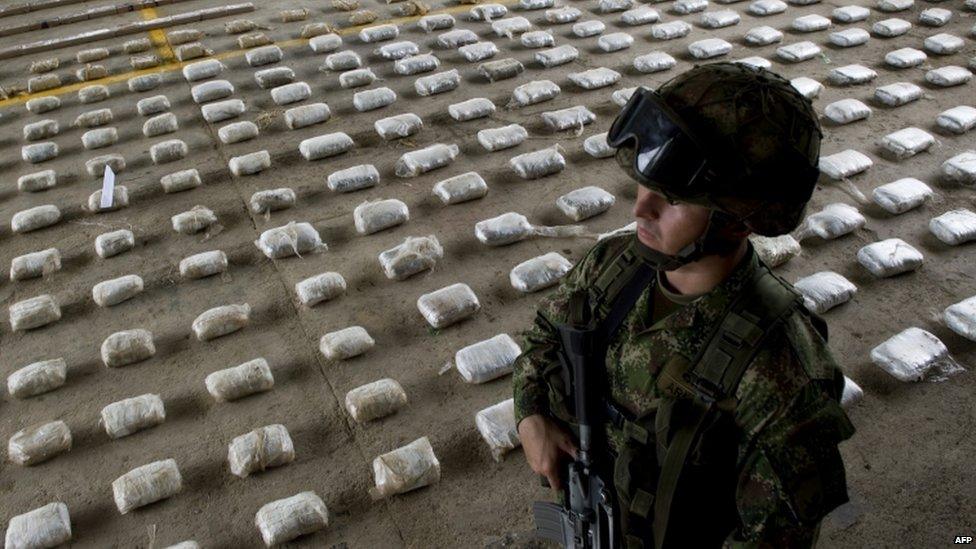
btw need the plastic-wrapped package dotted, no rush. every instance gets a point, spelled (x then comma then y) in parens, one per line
(448, 305)
(597, 146)
(353, 179)
(286, 519)
(901, 195)
(220, 321)
(764, 8)
(127, 347)
(43, 129)
(34, 313)
(852, 393)
(397, 50)
(641, 15)
(324, 146)
(115, 291)
(497, 427)
(825, 290)
(35, 264)
(416, 64)
(146, 61)
(160, 125)
(944, 44)
(478, 51)
(755, 61)
(375, 400)
(183, 36)
(43, 82)
(539, 272)
(506, 137)
(800, 51)
(307, 115)
(536, 164)
(536, 4)
(961, 168)
(396, 127)
(249, 164)
(894, 5)
(39, 443)
(763, 36)
(372, 217)
(479, 107)
(889, 257)
(850, 75)
(312, 30)
(850, 14)
(203, 264)
(615, 41)
(538, 39)
(342, 61)
(889, 28)
(846, 111)
(170, 150)
(404, 469)
(810, 23)
(671, 30)
(120, 199)
(849, 38)
(91, 72)
(272, 200)
(913, 354)
(345, 343)
(954, 227)
(114, 243)
(356, 78)
(291, 93)
(610, 6)
(222, 110)
(961, 318)
(238, 26)
(264, 447)
(379, 33)
(950, 75)
(39, 152)
(211, 91)
(37, 181)
(776, 250)
(844, 164)
(44, 104)
(585, 203)
(93, 94)
(585, 29)
(325, 43)
(147, 484)
(511, 26)
(456, 38)
(957, 120)
(536, 91)
(553, 57)
(421, 161)
(461, 188)
(47, 526)
(237, 132)
(253, 376)
(264, 55)
(196, 219)
(709, 48)
(594, 78)
(439, 21)
(321, 287)
(131, 415)
(37, 378)
(620, 97)
(907, 142)
(35, 218)
(437, 83)
(833, 221)
(144, 83)
(99, 138)
(414, 255)
(274, 78)
(719, 19)
(487, 12)
(935, 17)
(655, 61)
(201, 70)
(369, 100)
(253, 40)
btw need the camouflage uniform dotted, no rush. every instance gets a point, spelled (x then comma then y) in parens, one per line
(772, 456)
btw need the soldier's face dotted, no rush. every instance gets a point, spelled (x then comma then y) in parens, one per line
(667, 227)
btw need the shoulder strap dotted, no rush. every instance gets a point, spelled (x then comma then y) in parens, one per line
(617, 288)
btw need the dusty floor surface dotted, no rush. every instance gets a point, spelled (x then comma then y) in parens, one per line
(909, 466)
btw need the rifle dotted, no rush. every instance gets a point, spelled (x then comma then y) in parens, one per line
(587, 520)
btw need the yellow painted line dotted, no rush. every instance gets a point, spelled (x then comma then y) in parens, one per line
(158, 37)
(174, 65)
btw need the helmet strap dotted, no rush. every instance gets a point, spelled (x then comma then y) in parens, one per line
(705, 244)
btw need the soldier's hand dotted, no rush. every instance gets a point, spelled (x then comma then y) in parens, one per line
(544, 442)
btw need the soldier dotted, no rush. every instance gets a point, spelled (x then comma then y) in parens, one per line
(722, 397)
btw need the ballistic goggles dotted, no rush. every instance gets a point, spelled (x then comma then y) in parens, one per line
(666, 156)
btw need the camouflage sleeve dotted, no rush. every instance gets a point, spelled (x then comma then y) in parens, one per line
(540, 343)
(790, 470)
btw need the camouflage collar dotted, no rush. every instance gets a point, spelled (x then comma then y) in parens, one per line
(713, 302)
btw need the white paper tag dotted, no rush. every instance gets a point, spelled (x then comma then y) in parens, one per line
(108, 188)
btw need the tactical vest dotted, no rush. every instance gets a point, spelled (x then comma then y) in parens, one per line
(689, 435)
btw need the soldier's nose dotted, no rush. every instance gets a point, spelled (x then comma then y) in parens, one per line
(649, 205)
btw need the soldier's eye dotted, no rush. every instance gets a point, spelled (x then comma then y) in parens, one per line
(672, 202)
